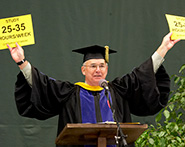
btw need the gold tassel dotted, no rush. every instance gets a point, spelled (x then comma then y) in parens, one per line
(107, 54)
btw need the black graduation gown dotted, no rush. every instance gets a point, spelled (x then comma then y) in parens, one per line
(140, 92)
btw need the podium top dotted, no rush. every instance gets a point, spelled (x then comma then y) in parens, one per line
(87, 134)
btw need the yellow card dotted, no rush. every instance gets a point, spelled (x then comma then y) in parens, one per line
(16, 29)
(177, 26)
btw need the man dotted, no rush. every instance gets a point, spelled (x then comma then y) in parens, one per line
(143, 92)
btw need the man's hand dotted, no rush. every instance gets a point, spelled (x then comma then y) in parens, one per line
(17, 54)
(166, 45)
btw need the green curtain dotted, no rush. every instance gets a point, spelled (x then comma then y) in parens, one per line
(134, 28)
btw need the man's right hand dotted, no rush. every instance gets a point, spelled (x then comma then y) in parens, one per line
(17, 54)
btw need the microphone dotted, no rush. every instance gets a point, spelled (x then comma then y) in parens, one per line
(103, 83)
(120, 136)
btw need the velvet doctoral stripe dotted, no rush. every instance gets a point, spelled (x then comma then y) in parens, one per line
(88, 107)
(89, 110)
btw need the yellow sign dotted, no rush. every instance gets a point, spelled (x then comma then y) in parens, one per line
(177, 26)
(16, 29)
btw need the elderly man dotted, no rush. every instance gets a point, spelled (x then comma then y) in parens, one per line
(143, 92)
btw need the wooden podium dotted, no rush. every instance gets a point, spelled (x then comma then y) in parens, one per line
(98, 134)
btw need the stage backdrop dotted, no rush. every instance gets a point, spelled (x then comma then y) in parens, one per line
(134, 28)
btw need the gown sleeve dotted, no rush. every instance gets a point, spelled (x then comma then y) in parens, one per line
(146, 92)
(44, 99)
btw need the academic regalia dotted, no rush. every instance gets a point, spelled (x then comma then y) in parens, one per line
(142, 93)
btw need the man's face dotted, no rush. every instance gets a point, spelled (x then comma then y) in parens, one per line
(94, 70)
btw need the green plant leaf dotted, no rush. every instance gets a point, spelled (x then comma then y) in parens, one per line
(143, 143)
(182, 68)
(171, 107)
(182, 100)
(179, 115)
(183, 94)
(151, 141)
(166, 114)
(158, 117)
(161, 133)
(176, 80)
(175, 128)
(179, 139)
(162, 142)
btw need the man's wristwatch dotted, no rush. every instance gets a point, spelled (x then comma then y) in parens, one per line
(21, 62)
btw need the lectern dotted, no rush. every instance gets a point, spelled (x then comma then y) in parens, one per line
(98, 134)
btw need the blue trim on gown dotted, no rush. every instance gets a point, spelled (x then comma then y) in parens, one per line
(88, 110)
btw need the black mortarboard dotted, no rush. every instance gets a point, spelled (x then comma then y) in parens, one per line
(95, 52)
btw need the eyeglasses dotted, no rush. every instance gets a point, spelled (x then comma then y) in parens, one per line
(95, 66)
